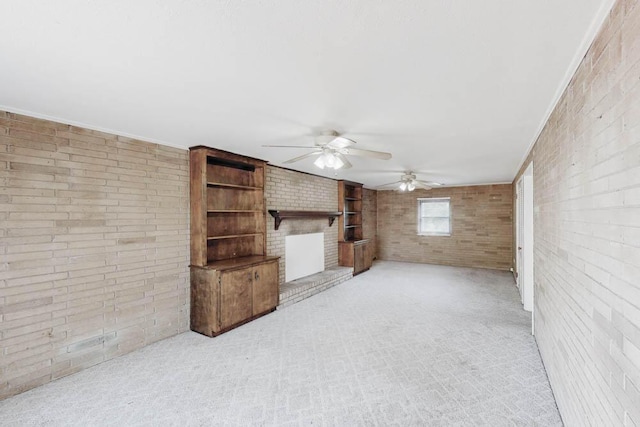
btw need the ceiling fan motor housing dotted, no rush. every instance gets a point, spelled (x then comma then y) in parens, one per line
(326, 137)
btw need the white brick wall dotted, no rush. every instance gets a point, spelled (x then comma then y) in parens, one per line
(94, 246)
(289, 190)
(370, 217)
(587, 232)
(481, 227)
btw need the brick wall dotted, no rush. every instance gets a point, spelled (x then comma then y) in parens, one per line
(291, 190)
(370, 216)
(94, 245)
(481, 227)
(586, 174)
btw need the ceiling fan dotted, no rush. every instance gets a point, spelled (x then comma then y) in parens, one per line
(408, 182)
(332, 149)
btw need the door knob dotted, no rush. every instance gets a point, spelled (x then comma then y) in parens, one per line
(519, 248)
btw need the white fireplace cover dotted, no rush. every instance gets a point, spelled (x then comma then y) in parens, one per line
(303, 254)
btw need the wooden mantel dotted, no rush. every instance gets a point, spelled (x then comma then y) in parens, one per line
(281, 215)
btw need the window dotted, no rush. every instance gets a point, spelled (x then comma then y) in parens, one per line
(434, 216)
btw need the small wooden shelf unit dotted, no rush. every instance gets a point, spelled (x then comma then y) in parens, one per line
(353, 250)
(232, 279)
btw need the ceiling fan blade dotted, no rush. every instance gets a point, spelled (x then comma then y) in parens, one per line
(304, 156)
(423, 185)
(341, 142)
(389, 184)
(290, 146)
(367, 153)
(347, 163)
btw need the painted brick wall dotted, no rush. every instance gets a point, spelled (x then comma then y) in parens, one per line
(370, 216)
(481, 227)
(287, 189)
(94, 248)
(587, 232)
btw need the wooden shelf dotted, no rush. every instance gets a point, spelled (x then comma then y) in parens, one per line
(350, 202)
(227, 205)
(239, 262)
(219, 158)
(234, 186)
(234, 236)
(282, 215)
(233, 211)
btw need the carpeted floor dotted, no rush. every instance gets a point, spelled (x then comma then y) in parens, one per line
(403, 344)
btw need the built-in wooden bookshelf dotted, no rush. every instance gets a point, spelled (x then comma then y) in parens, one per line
(353, 250)
(232, 279)
(350, 203)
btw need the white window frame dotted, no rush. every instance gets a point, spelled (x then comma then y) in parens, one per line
(433, 200)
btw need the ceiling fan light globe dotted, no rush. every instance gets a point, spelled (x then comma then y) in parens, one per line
(338, 163)
(320, 162)
(329, 159)
(411, 187)
(403, 186)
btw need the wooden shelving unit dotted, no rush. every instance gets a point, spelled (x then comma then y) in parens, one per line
(350, 204)
(232, 279)
(353, 250)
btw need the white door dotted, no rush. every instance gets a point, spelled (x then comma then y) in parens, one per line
(519, 237)
(524, 238)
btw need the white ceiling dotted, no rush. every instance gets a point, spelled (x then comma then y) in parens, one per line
(456, 90)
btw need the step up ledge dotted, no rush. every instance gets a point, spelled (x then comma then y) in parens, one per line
(299, 289)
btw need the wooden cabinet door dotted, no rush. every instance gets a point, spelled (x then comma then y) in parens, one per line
(265, 287)
(235, 296)
(345, 254)
(368, 255)
(204, 301)
(358, 258)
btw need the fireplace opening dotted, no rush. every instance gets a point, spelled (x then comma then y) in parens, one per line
(304, 255)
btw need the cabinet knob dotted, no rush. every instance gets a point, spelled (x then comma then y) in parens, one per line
(257, 276)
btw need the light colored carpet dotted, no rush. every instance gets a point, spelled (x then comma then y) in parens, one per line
(403, 344)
